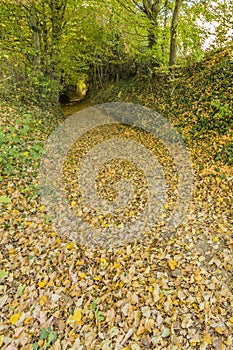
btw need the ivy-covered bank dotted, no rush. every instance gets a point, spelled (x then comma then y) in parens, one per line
(197, 99)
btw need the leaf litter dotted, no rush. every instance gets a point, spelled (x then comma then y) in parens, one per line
(155, 293)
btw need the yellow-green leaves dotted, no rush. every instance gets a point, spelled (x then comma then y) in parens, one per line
(3, 274)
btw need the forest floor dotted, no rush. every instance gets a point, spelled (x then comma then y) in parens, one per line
(153, 293)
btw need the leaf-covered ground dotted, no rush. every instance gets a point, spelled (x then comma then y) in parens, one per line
(156, 293)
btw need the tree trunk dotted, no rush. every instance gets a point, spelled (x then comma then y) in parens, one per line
(173, 45)
(46, 21)
(151, 9)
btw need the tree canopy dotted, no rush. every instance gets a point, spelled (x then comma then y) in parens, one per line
(49, 43)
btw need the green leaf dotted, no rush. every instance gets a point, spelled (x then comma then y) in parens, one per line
(4, 199)
(47, 219)
(35, 346)
(20, 289)
(93, 305)
(32, 309)
(3, 274)
(44, 334)
(99, 315)
(51, 338)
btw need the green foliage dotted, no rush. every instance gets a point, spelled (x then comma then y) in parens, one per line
(48, 335)
(196, 99)
(30, 50)
(15, 154)
(99, 315)
(3, 274)
(93, 305)
(4, 199)
(23, 131)
(222, 116)
(225, 154)
(45, 48)
(218, 120)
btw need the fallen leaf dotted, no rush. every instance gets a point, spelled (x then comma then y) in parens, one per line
(3, 274)
(76, 317)
(14, 318)
(42, 284)
(172, 264)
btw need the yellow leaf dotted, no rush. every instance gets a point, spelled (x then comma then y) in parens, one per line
(11, 251)
(151, 289)
(15, 304)
(116, 265)
(27, 223)
(41, 342)
(14, 318)
(42, 284)
(1, 340)
(121, 284)
(231, 319)
(103, 261)
(151, 280)
(28, 320)
(82, 275)
(42, 208)
(135, 284)
(70, 245)
(219, 330)
(43, 300)
(172, 264)
(76, 317)
(195, 306)
(218, 180)
(207, 338)
(215, 239)
(97, 278)
(50, 283)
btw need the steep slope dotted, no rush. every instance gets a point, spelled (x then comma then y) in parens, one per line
(198, 100)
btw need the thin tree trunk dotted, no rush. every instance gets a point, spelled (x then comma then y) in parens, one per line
(165, 26)
(173, 44)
